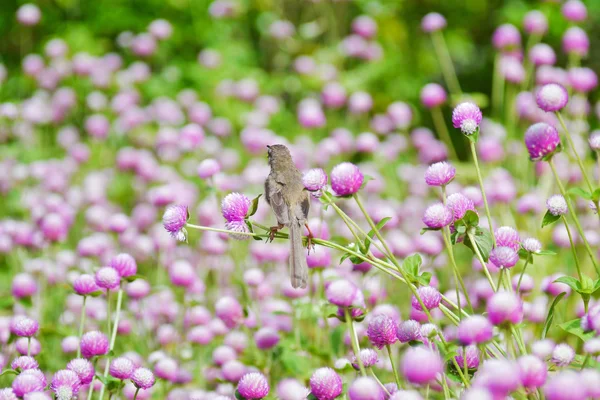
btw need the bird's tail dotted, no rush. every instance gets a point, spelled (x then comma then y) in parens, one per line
(298, 266)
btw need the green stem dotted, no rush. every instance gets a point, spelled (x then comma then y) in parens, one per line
(497, 87)
(522, 273)
(485, 202)
(482, 262)
(379, 382)
(396, 376)
(108, 316)
(136, 393)
(113, 338)
(573, 250)
(574, 216)
(442, 130)
(500, 276)
(574, 150)
(28, 346)
(81, 324)
(446, 64)
(354, 340)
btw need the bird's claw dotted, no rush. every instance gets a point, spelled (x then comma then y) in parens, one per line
(309, 243)
(272, 231)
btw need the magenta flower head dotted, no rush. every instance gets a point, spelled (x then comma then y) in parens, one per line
(576, 41)
(542, 54)
(266, 338)
(535, 22)
(65, 384)
(23, 363)
(507, 236)
(504, 257)
(174, 220)
(440, 174)
(506, 37)
(253, 385)
(562, 355)
(26, 383)
(368, 357)
(143, 378)
(421, 365)
(208, 168)
(94, 343)
(475, 330)
(541, 140)
(121, 368)
(365, 388)
(433, 22)
(85, 284)
(83, 368)
(24, 326)
(459, 204)
(382, 331)
(594, 140)
(107, 278)
(229, 310)
(552, 97)
(431, 298)
(346, 179)
(557, 205)
(532, 371)
(234, 207)
(29, 14)
(433, 95)
(574, 11)
(315, 180)
(532, 245)
(499, 376)
(408, 331)
(124, 264)
(325, 384)
(470, 356)
(466, 117)
(341, 293)
(438, 216)
(505, 307)
(23, 285)
(582, 79)
(565, 385)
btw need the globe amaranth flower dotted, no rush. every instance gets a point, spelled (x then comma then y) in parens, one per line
(475, 329)
(346, 179)
(325, 384)
(430, 296)
(467, 117)
(341, 293)
(471, 355)
(433, 22)
(440, 174)
(124, 264)
(107, 278)
(174, 220)
(541, 140)
(594, 140)
(574, 11)
(229, 310)
(382, 331)
(576, 41)
(565, 385)
(552, 97)
(23, 363)
(238, 229)
(408, 331)
(368, 357)
(535, 22)
(433, 95)
(85, 284)
(562, 355)
(532, 371)
(504, 257)
(505, 307)
(83, 368)
(27, 382)
(314, 181)
(420, 365)
(365, 388)
(557, 205)
(459, 204)
(24, 326)
(121, 368)
(507, 236)
(94, 343)
(253, 385)
(65, 384)
(532, 245)
(438, 216)
(234, 207)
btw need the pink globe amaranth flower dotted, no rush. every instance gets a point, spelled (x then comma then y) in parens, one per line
(23, 363)
(85, 284)
(532, 371)
(107, 278)
(310, 114)
(365, 388)
(475, 330)
(430, 296)
(535, 22)
(557, 205)
(364, 26)
(29, 14)
(160, 29)
(360, 102)
(542, 54)
(94, 343)
(574, 11)
(253, 385)
(506, 37)
(531, 245)
(594, 140)
(291, 389)
(325, 384)
(121, 368)
(143, 378)
(507, 236)
(552, 97)
(282, 29)
(408, 331)
(541, 141)
(582, 79)
(346, 179)
(26, 383)
(229, 310)
(438, 216)
(97, 126)
(314, 180)
(433, 95)
(512, 69)
(459, 204)
(590, 379)
(333, 95)
(382, 331)
(368, 357)
(208, 168)
(54, 227)
(234, 207)
(440, 174)
(342, 293)
(83, 368)
(124, 264)
(266, 338)
(24, 326)
(401, 114)
(433, 22)
(24, 345)
(240, 227)
(562, 355)
(182, 273)
(576, 41)
(505, 307)
(466, 117)
(472, 357)
(504, 257)
(65, 384)
(191, 136)
(23, 285)
(565, 385)
(420, 365)
(174, 220)
(499, 376)
(233, 371)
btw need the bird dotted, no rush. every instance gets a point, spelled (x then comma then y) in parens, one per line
(290, 201)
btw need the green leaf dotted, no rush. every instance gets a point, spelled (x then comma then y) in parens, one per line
(411, 264)
(26, 301)
(6, 302)
(545, 253)
(549, 219)
(238, 396)
(471, 218)
(311, 397)
(9, 372)
(423, 230)
(574, 328)
(461, 229)
(253, 206)
(134, 277)
(102, 379)
(474, 137)
(97, 293)
(579, 192)
(483, 241)
(425, 278)
(596, 196)
(550, 316)
(573, 283)
(371, 233)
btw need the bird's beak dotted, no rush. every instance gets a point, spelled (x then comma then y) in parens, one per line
(268, 146)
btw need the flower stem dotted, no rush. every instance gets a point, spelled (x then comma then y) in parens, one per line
(113, 338)
(354, 340)
(485, 202)
(378, 381)
(482, 262)
(574, 216)
(28, 346)
(136, 393)
(442, 130)
(108, 316)
(81, 324)
(574, 150)
(497, 87)
(389, 351)
(522, 273)
(573, 248)
(446, 64)
(446, 235)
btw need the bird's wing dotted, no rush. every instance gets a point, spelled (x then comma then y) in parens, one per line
(275, 199)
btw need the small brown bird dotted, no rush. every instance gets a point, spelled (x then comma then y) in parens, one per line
(290, 201)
